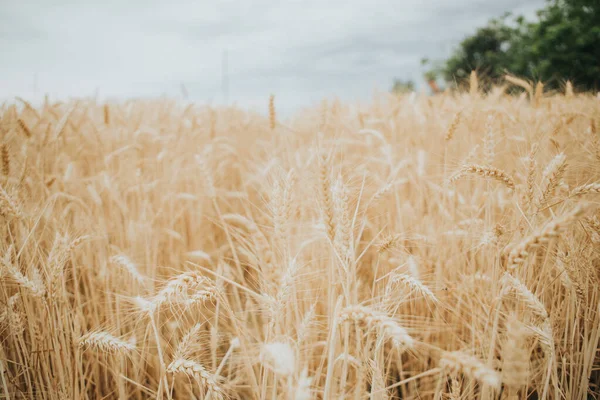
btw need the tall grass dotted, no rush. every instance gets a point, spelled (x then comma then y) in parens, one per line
(414, 247)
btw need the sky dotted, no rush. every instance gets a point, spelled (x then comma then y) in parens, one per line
(301, 51)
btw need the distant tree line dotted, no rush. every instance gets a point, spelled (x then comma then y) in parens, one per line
(562, 44)
(403, 86)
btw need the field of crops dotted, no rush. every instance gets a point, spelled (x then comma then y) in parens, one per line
(414, 247)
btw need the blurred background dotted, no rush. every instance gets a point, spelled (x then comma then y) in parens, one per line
(226, 52)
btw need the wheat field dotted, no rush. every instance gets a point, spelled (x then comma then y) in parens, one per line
(414, 247)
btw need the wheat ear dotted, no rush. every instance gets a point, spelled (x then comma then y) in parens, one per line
(486, 172)
(5, 159)
(585, 189)
(569, 90)
(104, 341)
(453, 126)
(326, 200)
(272, 112)
(183, 348)
(195, 369)
(515, 354)
(34, 285)
(552, 175)
(188, 288)
(24, 128)
(520, 82)
(473, 84)
(519, 253)
(523, 294)
(415, 285)
(125, 262)
(459, 362)
(374, 319)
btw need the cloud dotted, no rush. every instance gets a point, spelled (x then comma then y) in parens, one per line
(301, 50)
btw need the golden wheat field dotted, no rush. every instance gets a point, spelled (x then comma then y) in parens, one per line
(415, 247)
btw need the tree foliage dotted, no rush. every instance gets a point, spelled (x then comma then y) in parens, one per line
(562, 44)
(401, 86)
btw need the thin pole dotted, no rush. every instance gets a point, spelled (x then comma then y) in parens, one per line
(225, 76)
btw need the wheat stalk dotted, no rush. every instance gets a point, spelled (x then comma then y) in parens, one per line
(24, 128)
(125, 262)
(523, 294)
(378, 386)
(188, 289)
(5, 159)
(539, 92)
(279, 357)
(531, 172)
(569, 89)
(183, 348)
(343, 229)
(473, 84)
(340, 233)
(374, 319)
(194, 369)
(106, 342)
(388, 242)
(515, 355)
(552, 175)
(414, 284)
(520, 82)
(486, 172)
(272, 113)
(15, 316)
(106, 110)
(585, 189)
(457, 362)
(453, 126)
(34, 285)
(489, 141)
(325, 196)
(518, 254)
(303, 387)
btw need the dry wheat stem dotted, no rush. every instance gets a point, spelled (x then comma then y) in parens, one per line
(155, 249)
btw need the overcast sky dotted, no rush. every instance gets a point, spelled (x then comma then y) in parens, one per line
(300, 50)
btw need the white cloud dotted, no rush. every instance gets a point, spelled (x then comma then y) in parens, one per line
(300, 50)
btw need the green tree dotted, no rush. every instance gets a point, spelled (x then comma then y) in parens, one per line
(431, 73)
(489, 51)
(401, 86)
(564, 43)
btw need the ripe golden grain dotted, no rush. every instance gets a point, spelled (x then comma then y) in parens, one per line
(5, 159)
(485, 171)
(185, 251)
(23, 127)
(272, 113)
